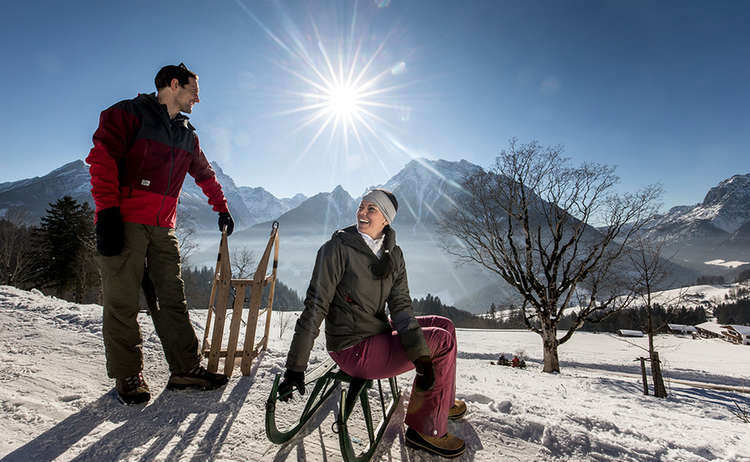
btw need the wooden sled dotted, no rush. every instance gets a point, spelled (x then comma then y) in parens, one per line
(326, 377)
(220, 298)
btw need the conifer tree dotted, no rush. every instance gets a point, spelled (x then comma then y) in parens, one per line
(65, 245)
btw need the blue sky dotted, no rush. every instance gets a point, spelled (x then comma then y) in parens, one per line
(659, 89)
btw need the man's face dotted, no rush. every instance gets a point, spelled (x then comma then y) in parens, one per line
(186, 96)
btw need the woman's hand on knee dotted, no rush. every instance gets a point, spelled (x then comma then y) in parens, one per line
(425, 373)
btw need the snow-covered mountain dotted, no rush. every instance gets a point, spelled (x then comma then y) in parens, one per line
(725, 209)
(320, 214)
(424, 188)
(32, 196)
(194, 207)
(264, 206)
(718, 227)
(248, 205)
(427, 188)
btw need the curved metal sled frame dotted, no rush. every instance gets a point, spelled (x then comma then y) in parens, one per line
(326, 378)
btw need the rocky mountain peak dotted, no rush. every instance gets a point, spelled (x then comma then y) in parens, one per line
(731, 191)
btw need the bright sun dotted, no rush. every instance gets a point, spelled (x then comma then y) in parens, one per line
(343, 101)
(349, 89)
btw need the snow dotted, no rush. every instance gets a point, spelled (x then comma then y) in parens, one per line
(682, 328)
(726, 264)
(58, 404)
(630, 333)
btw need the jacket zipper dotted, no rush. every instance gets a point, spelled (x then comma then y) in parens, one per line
(169, 178)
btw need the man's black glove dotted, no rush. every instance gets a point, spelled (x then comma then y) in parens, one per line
(225, 219)
(425, 373)
(291, 379)
(110, 235)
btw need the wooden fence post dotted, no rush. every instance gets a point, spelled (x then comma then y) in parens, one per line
(643, 375)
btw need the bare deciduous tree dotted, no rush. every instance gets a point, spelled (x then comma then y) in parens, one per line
(646, 255)
(244, 262)
(285, 321)
(185, 231)
(530, 220)
(16, 249)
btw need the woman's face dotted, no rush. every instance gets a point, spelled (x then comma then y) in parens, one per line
(370, 220)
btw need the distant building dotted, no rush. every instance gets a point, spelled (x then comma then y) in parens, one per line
(709, 329)
(629, 333)
(730, 332)
(681, 329)
(738, 334)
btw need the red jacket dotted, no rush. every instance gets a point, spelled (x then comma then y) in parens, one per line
(139, 161)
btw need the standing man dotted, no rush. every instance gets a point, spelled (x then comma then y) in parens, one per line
(142, 150)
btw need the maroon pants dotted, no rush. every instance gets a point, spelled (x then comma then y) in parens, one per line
(382, 356)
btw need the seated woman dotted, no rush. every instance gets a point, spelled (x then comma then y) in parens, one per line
(356, 273)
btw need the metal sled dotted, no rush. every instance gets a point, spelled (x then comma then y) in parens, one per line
(326, 377)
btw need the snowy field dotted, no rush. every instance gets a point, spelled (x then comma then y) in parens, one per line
(58, 404)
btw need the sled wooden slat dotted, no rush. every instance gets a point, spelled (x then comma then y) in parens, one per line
(271, 290)
(218, 305)
(222, 284)
(255, 299)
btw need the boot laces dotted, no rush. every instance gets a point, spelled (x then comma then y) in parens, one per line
(135, 381)
(199, 371)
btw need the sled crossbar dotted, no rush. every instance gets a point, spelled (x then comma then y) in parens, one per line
(326, 377)
(219, 302)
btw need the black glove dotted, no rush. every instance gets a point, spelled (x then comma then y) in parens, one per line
(291, 379)
(425, 373)
(110, 235)
(225, 219)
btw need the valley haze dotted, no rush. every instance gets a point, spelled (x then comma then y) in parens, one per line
(718, 228)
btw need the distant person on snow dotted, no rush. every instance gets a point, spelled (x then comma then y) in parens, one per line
(356, 272)
(143, 148)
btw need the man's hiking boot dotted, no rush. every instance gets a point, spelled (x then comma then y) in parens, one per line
(198, 378)
(133, 389)
(448, 446)
(457, 410)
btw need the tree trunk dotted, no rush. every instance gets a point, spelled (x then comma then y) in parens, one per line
(659, 390)
(549, 342)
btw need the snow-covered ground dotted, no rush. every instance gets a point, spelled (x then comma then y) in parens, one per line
(58, 404)
(726, 264)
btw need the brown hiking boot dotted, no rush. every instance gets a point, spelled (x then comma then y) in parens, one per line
(133, 389)
(198, 378)
(457, 410)
(448, 446)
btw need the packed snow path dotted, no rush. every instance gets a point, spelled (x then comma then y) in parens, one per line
(58, 404)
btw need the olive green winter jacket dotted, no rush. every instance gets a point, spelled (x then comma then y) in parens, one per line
(344, 291)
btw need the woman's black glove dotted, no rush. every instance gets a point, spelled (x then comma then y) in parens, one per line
(291, 380)
(110, 235)
(225, 219)
(425, 373)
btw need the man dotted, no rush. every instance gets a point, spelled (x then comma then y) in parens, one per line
(143, 148)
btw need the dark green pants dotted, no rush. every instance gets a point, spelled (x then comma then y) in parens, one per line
(121, 282)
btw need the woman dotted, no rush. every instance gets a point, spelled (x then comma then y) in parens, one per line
(356, 273)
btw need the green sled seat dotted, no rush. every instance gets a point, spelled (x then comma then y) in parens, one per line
(326, 377)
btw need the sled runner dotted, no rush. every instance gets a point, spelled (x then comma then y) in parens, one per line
(326, 377)
(220, 298)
